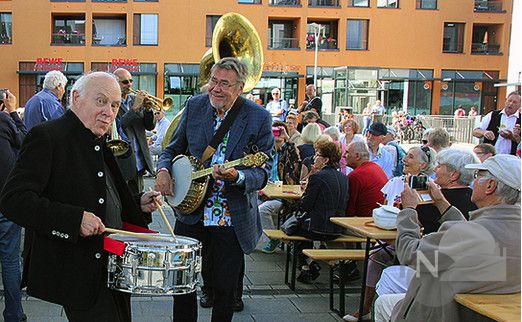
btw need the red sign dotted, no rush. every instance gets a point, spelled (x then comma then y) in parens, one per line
(127, 63)
(44, 63)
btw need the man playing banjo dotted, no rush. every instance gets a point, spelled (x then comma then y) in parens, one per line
(227, 223)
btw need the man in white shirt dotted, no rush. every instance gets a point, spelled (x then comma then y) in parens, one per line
(497, 126)
(162, 124)
(277, 107)
(374, 139)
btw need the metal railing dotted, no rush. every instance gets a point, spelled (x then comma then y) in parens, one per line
(323, 3)
(460, 129)
(285, 2)
(481, 48)
(488, 6)
(68, 38)
(283, 43)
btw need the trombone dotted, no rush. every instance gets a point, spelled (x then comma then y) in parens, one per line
(158, 103)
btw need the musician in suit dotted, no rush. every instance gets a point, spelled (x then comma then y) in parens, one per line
(66, 187)
(134, 117)
(227, 222)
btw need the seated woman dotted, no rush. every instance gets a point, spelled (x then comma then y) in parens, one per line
(454, 180)
(325, 196)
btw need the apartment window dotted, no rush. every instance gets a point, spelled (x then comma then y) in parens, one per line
(426, 4)
(453, 41)
(357, 34)
(323, 3)
(211, 23)
(145, 29)
(327, 35)
(109, 0)
(6, 28)
(285, 2)
(282, 34)
(146, 0)
(485, 39)
(387, 3)
(68, 30)
(109, 31)
(488, 6)
(359, 3)
(67, 0)
(249, 1)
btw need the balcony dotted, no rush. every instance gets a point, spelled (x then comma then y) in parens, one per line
(323, 3)
(488, 6)
(485, 49)
(283, 43)
(285, 2)
(65, 38)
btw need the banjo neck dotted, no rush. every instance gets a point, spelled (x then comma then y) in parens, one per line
(208, 171)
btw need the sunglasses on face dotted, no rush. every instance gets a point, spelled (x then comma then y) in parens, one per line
(126, 81)
(424, 142)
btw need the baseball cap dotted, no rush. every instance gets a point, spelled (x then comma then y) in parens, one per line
(505, 167)
(391, 130)
(378, 128)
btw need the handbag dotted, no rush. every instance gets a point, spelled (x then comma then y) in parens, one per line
(294, 221)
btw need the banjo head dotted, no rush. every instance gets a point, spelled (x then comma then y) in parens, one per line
(182, 177)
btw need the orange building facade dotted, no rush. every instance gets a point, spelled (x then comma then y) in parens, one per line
(426, 56)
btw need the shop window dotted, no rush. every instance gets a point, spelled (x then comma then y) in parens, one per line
(357, 34)
(6, 28)
(387, 3)
(211, 23)
(109, 31)
(145, 29)
(282, 34)
(453, 41)
(68, 30)
(359, 3)
(327, 38)
(427, 4)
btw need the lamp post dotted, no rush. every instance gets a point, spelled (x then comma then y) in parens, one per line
(317, 30)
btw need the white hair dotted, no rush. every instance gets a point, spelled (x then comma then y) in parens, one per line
(456, 160)
(81, 83)
(361, 148)
(53, 79)
(504, 192)
(333, 131)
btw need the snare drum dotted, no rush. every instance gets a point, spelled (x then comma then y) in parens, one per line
(155, 267)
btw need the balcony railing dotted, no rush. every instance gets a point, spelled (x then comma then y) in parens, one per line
(486, 49)
(323, 3)
(285, 2)
(68, 39)
(283, 43)
(329, 43)
(488, 5)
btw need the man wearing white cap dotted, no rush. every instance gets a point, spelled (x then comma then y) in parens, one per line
(481, 255)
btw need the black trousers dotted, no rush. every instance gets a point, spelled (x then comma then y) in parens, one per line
(110, 306)
(222, 249)
(206, 274)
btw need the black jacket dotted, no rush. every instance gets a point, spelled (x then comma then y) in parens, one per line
(59, 174)
(326, 196)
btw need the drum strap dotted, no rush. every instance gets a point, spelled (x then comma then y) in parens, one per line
(222, 130)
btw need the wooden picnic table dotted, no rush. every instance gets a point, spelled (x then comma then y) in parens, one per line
(283, 191)
(499, 307)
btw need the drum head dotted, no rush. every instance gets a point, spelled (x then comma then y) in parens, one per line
(182, 177)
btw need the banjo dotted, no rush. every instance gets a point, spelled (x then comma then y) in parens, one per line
(191, 179)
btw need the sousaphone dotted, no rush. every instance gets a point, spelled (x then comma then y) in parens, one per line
(233, 36)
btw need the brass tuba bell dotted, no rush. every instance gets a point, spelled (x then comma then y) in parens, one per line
(234, 36)
(117, 146)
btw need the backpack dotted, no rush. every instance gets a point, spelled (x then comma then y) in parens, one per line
(399, 167)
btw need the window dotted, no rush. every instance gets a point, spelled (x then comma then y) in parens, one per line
(109, 0)
(109, 31)
(68, 30)
(146, 0)
(327, 35)
(387, 3)
(485, 39)
(357, 34)
(285, 2)
(145, 29)
(453, 41)
(281, 34)
(323, 3)
(488, 6)
(249, 1)
(359, 3)
(211, 23)
(426, 4)
(6, 28)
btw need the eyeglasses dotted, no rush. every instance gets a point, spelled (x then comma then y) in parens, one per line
(127, 81)
(223, 84)
(156, 113)
(476, 173)
(424, 142)
(276, 93)
(426, 151)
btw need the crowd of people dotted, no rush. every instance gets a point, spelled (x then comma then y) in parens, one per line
(347, 169)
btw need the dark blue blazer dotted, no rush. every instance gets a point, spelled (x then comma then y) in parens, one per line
(253, 126)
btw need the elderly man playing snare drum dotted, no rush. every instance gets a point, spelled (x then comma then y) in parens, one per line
(227, 223)
(66, 187)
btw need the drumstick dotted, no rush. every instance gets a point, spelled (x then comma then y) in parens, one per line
(163, 216)
(140, 235)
